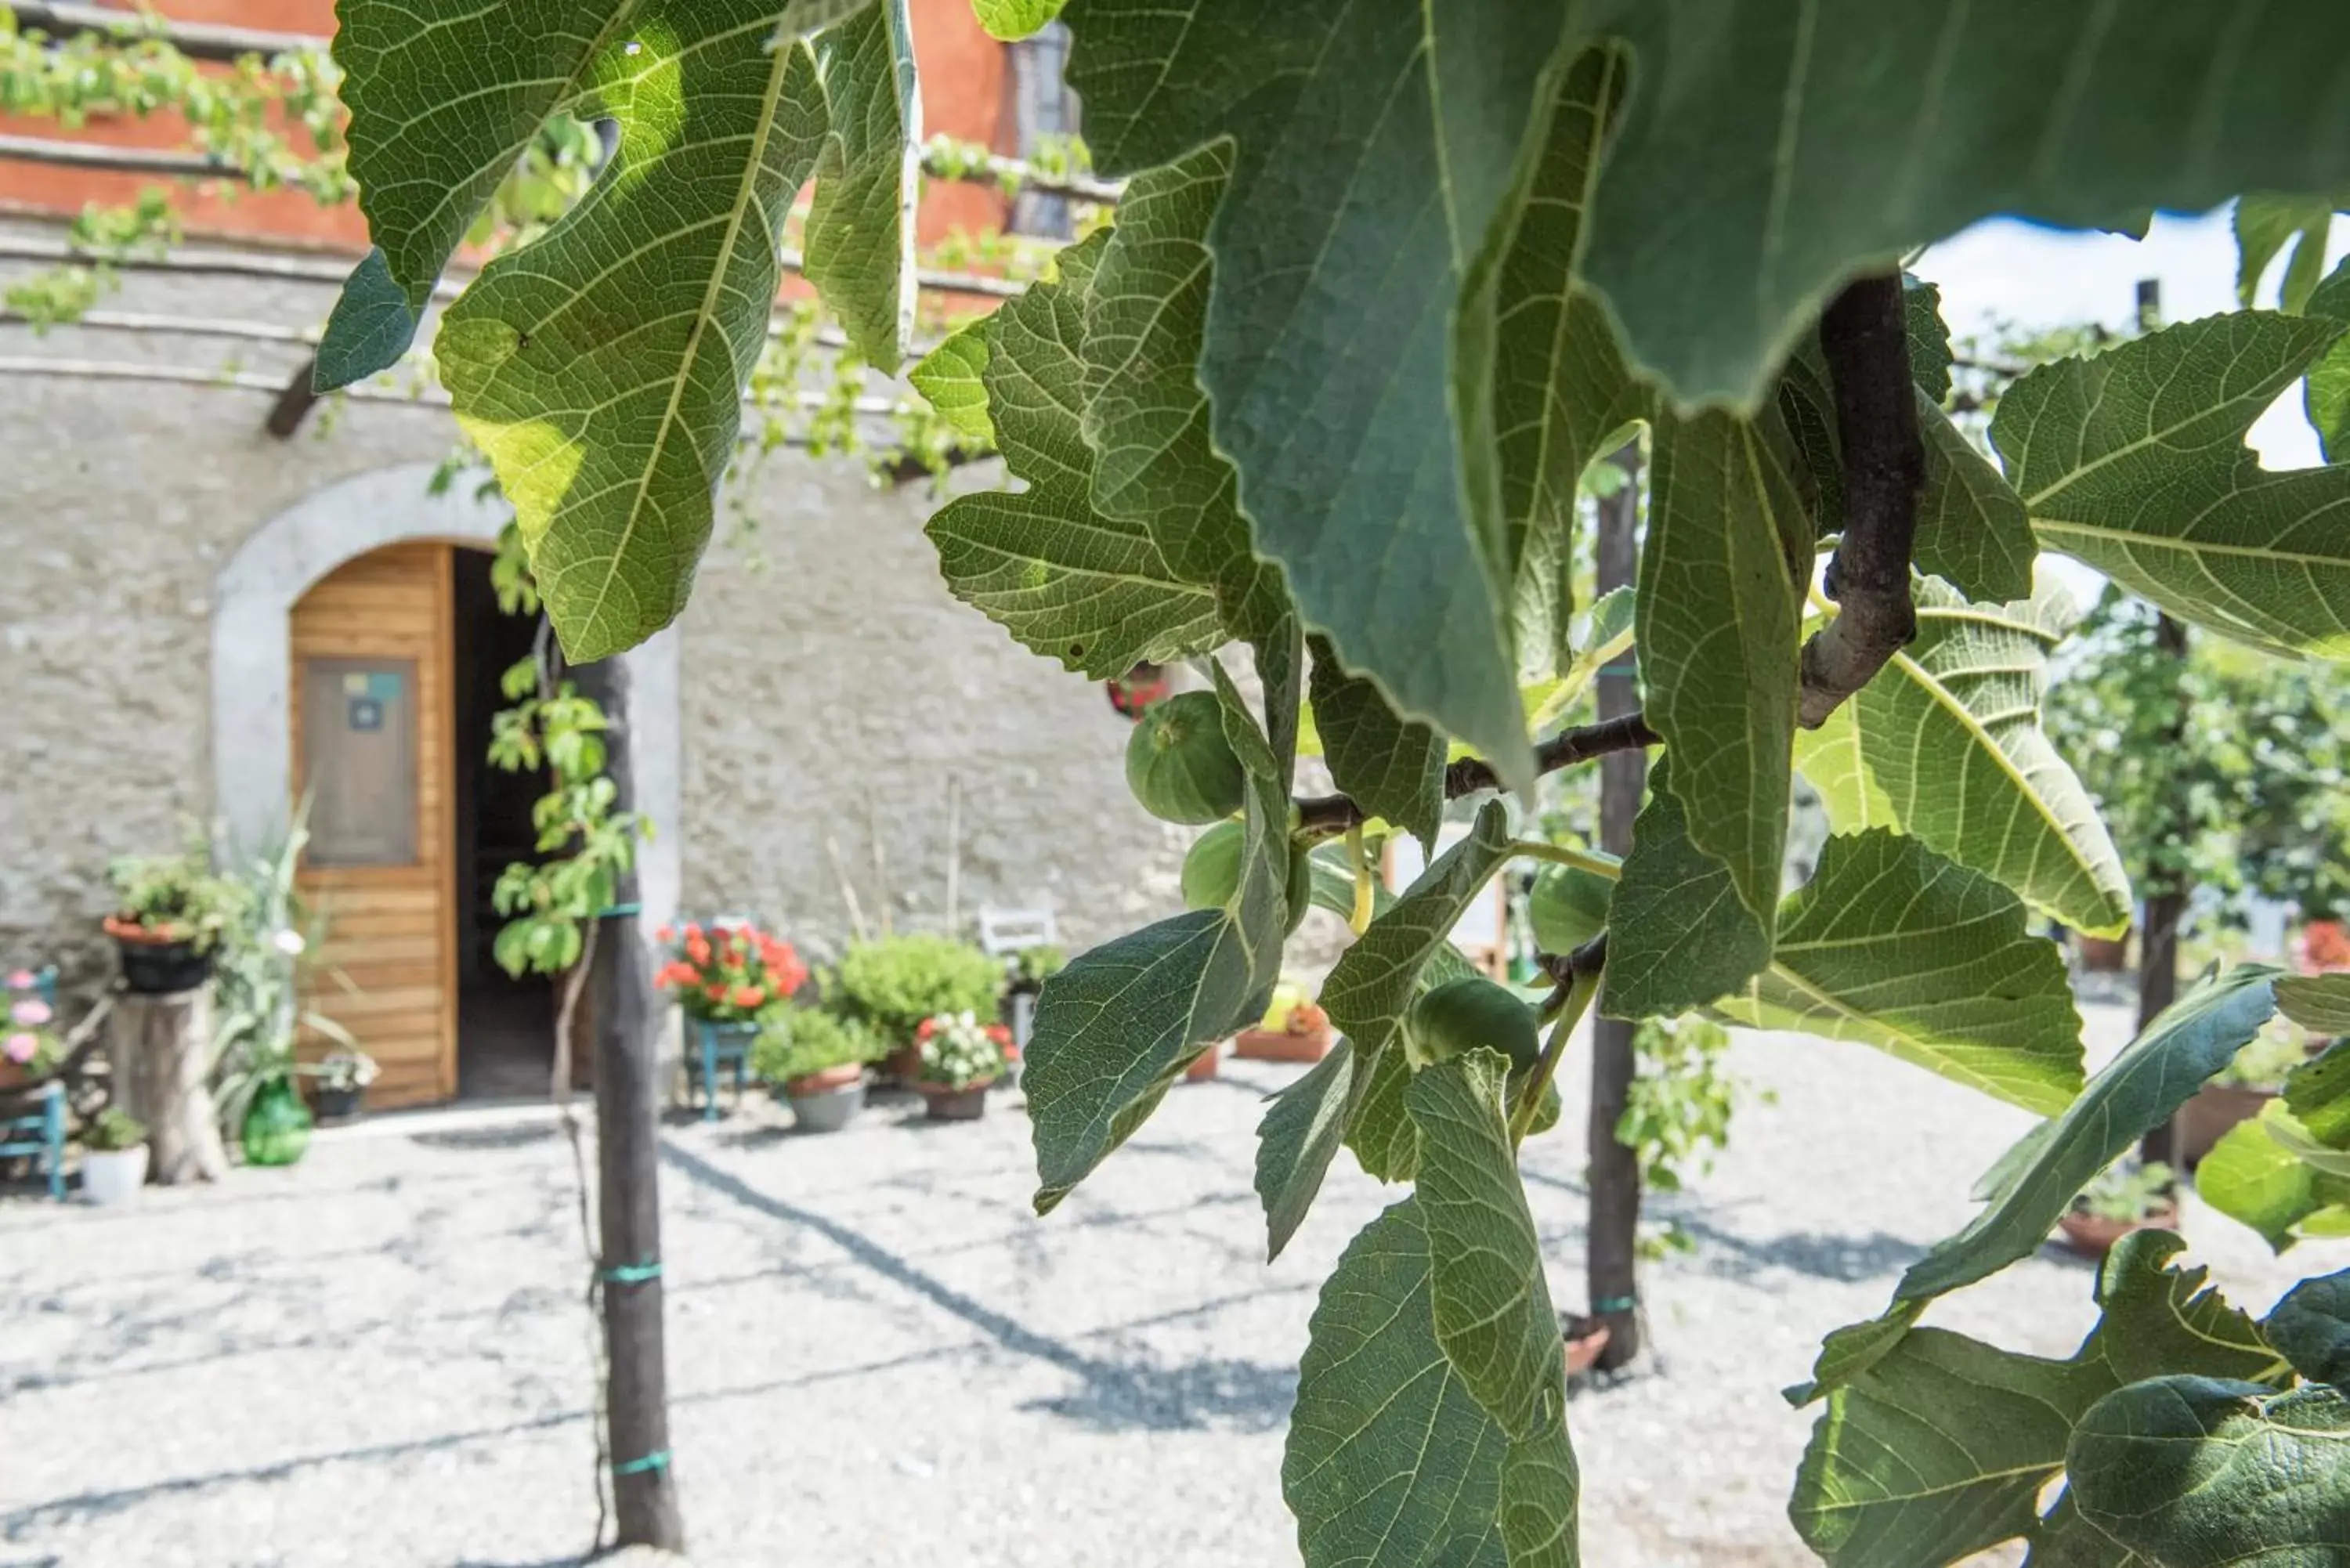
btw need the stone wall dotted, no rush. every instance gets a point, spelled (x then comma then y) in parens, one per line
(831, 686)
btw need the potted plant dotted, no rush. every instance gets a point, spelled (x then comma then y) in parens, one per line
(2127, 1197)
(169, 911)
(2253, 1077)
(894, 984)
(729, 979)
(961, 1057)
(815, 1061)
(114, 1156)
(1024, 977)
(1293, 1030)
(343, 1075)
(29, 1047)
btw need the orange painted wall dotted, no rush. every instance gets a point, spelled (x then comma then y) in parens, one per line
(965, 95)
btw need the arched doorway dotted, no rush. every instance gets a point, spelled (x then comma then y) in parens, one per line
(357, 650)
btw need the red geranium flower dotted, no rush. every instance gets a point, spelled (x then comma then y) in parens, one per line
(999, 1034)
(695, 948)
(926, 1028)
(715, 993)
(747, 996)
(666, 934)
(676, 975)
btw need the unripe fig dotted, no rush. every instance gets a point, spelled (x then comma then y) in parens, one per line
(1568, 907)
(1463, 1014)
(1178, 764)
(1212, 870)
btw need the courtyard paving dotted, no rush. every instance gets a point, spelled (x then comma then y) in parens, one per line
(879, 1357)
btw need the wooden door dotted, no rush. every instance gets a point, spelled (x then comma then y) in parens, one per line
(374, 754)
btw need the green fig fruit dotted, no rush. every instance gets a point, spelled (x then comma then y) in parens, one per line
(1178, 764)
(1568, 907)
(1212, 870)
(1463, 1014)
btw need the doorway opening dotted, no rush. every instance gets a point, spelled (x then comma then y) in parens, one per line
(506, 1025)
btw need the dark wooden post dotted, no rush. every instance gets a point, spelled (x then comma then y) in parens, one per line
(2166, 884)
(1612, 1257)
(2165, 880)
(628, 1135)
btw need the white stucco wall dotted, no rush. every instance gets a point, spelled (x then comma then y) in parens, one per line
(827, 685)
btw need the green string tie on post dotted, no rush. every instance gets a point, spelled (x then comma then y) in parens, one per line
(657, 1461)
(616, 910)
(632, 1273)
(1613, 1303)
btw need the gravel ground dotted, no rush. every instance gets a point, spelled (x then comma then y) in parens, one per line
(879, 1358)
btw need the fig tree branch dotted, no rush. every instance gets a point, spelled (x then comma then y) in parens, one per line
(1332, 814)
(1865, 341)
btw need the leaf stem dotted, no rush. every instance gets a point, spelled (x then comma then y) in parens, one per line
(1597, 862)
(1364, 902)
(1579, 974)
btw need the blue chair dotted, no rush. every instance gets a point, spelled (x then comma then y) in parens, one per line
(42, 1133)
(723, 1045)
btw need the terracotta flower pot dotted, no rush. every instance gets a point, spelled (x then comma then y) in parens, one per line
(2204, 1120)
(1585, 1338)
(826, 1101)
(2105, 955)
(1203, 1067)
(903, 1065)
(1281, 1046)
(2093, 1235)
(967, 1104)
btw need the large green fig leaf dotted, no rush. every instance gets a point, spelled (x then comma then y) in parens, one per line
(1408, 946)
(1679, 936)
(1942, 1446)
(860, 237)
(2206, 1472)
(2144, 1085)
(1720, 618)
(2134, 462)
(1347, 360)
(2266, 222)
(1298, 1138)
(1945, 745)
(1560, 391)
(1065, 580)
(1393, 768)
(2256, 1180)
(1116, 1029)
(1770, 150)
(1156, 469)
(1493, 1316)
(1894, 947)
(2311, 1328)
(2318, 1003)
(2327, 397)
(1390, 1462)
(600, 367)
(439, 114)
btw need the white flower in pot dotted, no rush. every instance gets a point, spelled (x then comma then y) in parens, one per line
(114, 1158)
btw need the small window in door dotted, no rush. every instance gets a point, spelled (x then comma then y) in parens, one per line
(358, 760)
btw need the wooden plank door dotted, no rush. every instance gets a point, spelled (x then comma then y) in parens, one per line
(373, 751)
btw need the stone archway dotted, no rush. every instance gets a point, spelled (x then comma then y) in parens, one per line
(252, 673)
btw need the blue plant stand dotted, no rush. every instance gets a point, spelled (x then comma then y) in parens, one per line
(41, 1133)
(722, 1046)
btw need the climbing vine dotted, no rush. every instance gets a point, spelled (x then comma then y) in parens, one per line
(1383, 281)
